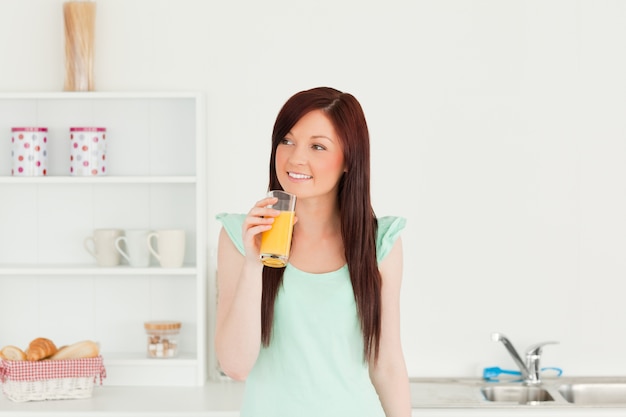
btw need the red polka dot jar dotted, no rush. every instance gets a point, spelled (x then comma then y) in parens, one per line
(88, 155)
(29, 151)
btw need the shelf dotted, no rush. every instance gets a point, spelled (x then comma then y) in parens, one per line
(156, 180)
(99, 180)
(51, 269)
(90, 95)
(140, 359)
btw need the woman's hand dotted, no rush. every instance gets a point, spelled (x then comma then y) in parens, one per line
(259, 219)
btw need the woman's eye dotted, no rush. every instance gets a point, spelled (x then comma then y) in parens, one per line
(319, 147)
(285, 141)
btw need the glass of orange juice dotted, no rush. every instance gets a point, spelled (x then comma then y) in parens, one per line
(276, 242)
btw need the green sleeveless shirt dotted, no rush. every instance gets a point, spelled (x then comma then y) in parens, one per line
(314, 364)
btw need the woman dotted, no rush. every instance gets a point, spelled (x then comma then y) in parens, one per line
(320, 337)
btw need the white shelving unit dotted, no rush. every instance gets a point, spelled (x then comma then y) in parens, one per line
(51, 286)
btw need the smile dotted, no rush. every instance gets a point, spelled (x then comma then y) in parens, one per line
(299, 176)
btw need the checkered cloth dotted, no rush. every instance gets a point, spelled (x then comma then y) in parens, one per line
(48, 369)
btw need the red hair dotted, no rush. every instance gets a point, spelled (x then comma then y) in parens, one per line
(358, 221)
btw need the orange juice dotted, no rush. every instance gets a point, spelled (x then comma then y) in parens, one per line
(276, 242)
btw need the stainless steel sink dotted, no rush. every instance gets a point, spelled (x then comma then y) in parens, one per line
(520, 394)
(594, 393)
(552, 393)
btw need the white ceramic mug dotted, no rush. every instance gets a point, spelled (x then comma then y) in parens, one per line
(136, 243)
(102, 246)
(171, 247)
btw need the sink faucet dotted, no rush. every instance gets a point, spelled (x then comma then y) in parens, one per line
(530, 370)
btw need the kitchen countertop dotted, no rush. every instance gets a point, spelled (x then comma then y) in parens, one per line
(212, 400)
(430, 396)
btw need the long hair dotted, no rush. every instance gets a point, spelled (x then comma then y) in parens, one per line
(358, 221)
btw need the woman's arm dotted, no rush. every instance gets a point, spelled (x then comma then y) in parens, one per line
(388, 373)
(239, 281)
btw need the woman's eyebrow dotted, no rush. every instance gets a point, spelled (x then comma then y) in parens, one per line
(313, 137)
(322, 137)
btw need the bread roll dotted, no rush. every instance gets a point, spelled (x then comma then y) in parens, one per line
(12, 353)
(40, 348)
(84, 349)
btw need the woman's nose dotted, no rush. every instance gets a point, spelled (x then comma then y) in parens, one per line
(298, 155)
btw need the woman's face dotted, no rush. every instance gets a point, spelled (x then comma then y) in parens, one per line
(310, 160)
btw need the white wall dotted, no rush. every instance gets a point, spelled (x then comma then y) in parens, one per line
(497, 126)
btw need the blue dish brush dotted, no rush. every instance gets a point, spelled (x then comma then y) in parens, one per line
(493, 373)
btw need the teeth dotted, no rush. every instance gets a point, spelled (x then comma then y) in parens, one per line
(299, 176)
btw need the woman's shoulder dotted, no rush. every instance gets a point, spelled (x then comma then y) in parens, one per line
(389, 229)
(231, 218)
(232, 223)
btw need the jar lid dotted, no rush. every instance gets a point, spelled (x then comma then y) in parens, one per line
(29, 129)
(162, 325)
(88, 129)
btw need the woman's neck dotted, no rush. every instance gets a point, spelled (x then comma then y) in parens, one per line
(317, 218)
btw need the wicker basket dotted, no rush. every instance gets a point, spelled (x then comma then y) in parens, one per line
(50, 380)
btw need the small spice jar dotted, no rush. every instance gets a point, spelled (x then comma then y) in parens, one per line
(162, 338)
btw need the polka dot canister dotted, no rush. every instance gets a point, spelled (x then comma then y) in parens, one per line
(88, 151)
(29, 151)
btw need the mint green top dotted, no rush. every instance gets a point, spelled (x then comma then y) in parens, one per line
(314, 364)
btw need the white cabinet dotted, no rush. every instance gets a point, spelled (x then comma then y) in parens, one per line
(50, 285)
